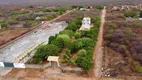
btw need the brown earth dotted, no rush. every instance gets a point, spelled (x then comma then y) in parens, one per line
(39, 74)
(7, 35)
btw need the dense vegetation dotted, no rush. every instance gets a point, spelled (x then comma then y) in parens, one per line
(75, 46)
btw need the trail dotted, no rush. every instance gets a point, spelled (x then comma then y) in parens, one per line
(98, 54)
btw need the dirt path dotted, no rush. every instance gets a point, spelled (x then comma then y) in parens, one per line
(98, 54)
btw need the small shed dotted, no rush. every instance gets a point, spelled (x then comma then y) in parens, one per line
(53, 60)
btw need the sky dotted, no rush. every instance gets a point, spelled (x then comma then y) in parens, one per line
(60, 2)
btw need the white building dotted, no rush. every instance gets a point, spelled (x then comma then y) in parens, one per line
(82, 9)
(115, 8)
(86, 23)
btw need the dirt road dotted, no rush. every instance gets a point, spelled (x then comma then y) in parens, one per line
(98, 54)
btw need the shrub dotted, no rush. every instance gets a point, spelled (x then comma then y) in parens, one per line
(97, 21)
(46, 10)
(4, 25)
(72, 61)
(29, 24)
(85, 62)
(112, 25)
(99, 7)
(77, 35)
(110, 31)
(82, 52)
(51, 38)
(64, 40)
(43, 51)
(31, 6)
(67, 32)
(77, 6)
(72, 26)
(78, 20)
(118, 36)
(130, 14)
(49, 17)
(66, 56)
(138, 66)
(74, 6)
(12, 22)
(81, 43)
(93, 33)
(61, 11)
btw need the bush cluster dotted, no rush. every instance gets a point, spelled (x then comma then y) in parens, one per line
(4, 25)
(43, 51)
(130, 14)
(99, 7)
(29, 24)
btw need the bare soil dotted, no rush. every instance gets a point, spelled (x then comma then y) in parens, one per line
(39, 74)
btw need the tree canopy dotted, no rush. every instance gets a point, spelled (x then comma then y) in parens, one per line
(43, 51)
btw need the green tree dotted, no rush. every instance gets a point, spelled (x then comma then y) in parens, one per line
(61, 10)
(12, 22)
(77, 35)
(46, 10)
(66, 56)
(81, 43)
(72, 26)
(4, 25)
(49, 17)
(51, 38)
(63, 40)
(85, 62)
(29, 24)
(74, 6)
(43, 51)
(82, 52)
(77, 6)
(99, 7)
(67, 32)
(138, 66)
(130, 14)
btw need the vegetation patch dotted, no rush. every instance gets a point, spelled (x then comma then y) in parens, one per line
(75, 46)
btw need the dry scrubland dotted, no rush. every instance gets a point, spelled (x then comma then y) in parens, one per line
(122, 45)
(18, 21)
